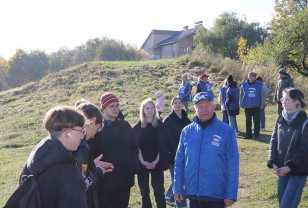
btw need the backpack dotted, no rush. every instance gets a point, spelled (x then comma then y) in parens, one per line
(27, 194)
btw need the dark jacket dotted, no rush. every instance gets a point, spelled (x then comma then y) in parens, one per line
(232, 100)
(286, 82)
(164, 143)
(175, 126)
(118, 146)
(60, 187)
(288, 146)
(91, 174)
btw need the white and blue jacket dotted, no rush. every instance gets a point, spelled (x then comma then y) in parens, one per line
(207, 161)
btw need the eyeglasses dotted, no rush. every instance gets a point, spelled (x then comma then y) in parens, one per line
(83, 131)
(113, 107)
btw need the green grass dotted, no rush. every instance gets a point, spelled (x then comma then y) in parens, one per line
(23, 109)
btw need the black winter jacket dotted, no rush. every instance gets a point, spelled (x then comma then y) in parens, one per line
(288, 146)
(164, 143)
(91, 174)
(62, 186)
(117, 144)
(175, 126)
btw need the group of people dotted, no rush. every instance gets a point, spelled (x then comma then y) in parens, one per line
(97, 153)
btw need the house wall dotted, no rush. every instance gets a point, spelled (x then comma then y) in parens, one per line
(154, 38)
(184, 46)
(167, 51)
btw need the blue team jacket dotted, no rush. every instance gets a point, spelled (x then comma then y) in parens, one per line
(207, 161)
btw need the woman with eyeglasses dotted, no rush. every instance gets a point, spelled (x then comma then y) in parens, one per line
(154, 148)
(288, 152)
(92, 170)
(62, 184)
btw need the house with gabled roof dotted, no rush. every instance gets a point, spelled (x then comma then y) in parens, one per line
(167, 44)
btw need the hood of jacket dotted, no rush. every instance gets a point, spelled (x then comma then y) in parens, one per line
(49, 151)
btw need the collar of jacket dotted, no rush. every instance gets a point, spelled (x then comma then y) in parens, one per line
(204, 124)
(296, 123)
(184, 114)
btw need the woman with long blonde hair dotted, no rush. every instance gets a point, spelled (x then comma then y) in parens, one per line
(154, 149)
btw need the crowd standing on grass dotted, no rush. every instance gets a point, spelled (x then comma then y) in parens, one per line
(202, 156)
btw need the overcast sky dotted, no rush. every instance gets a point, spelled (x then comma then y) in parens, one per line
(51, 24)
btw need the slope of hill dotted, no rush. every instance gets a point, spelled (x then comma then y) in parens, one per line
(23, 109)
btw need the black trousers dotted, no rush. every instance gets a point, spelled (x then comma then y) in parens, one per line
(114, 199)
(255, 113)
(157, 181)
(206, 204)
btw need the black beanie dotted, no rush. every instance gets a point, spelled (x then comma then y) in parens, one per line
(230, 79)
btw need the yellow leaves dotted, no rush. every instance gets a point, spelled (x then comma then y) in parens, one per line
(242, 50)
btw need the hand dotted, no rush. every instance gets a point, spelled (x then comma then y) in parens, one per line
(228, 202)
(147, 165)
(261, 107)
(283, 171)
(105, 166)
(178, 198)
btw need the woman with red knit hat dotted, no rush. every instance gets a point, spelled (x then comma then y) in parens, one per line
(118, 146)
(204, 85)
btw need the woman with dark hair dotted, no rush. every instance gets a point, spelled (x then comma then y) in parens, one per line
(288, 151)
(232, 102)
(154, 150)
(175, 122)
(62, 186)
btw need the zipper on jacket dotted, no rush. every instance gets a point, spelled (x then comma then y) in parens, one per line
(199, 163)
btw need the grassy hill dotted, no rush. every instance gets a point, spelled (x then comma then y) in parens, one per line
(23, 109)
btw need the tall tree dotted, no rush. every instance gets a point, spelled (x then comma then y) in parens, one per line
(224, 36)
(3, 73)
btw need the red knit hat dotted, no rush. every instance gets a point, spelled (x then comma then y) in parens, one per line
(107, 99)
(204, 75)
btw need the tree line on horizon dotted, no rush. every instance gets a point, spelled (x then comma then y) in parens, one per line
(284, 42)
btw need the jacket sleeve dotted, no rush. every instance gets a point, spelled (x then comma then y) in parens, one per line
(179, 167)
(229, 100)
(232, 157)
(301, 152)
(198, 89)
(96, 175)
(272, 155)
(241, 95)
(262, 97)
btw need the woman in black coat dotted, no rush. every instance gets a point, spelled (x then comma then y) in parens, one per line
(154, 150)
(288, 152)
(175, 122)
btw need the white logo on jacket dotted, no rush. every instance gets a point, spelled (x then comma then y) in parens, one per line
(216, 140)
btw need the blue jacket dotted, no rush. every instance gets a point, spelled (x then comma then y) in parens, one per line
(204, 87)
(185, 90)
(233, 96)
(252, 94)
(207, 161)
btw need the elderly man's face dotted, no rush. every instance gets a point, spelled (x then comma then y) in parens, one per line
(205, 109)
(281, 75)
(252, 78)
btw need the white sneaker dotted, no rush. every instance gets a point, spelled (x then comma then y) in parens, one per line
(262, 129)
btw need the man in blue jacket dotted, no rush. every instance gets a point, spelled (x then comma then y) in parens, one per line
(253, 100)
(207, 159)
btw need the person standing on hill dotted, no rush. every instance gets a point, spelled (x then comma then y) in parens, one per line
(62, 186)
(185, 91)
(204, 85)
(252, 99)
(159, 103)
(117, 144)
(288, 151)
(92, 170)
(285, 81)
(262, 111)
(207, 159)
(175, 122)
(232, 102)
(222, 101)
(154, 153)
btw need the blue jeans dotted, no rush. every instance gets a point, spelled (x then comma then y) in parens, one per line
(225, 116)
(233, 123)
(262, 117)
(169, 193)
(290, 190)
